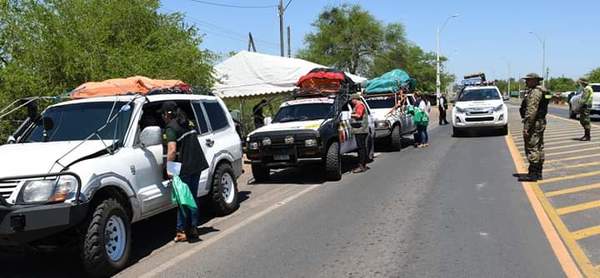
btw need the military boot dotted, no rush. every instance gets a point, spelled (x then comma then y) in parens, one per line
(532, 174)
(587, 136)
(539, 169)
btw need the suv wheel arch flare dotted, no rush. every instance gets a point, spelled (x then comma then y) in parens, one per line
(111, 191)
(219, 158)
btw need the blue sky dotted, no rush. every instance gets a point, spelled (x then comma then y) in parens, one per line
(487, 36)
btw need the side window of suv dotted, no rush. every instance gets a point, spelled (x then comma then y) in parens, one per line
(216, 115)
(202, 123)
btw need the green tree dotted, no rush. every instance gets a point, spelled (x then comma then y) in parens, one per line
(419, 64)
(351, 39)
(561, 84)
(49, 47)
(503, 85)
(347, 37)
(594, 75)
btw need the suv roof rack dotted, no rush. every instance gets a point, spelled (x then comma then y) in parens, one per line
(476, 79)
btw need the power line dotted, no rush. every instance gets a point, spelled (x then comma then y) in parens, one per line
(286, 5)
(224, 32)
(226, 5)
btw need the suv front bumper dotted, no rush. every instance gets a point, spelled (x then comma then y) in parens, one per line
(22, 224)
(285, 156)
(494, 120)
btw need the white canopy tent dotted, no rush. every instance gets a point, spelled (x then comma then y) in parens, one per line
(249, 74)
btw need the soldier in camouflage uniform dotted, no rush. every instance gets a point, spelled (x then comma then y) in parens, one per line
(533, 111)
(586, 105)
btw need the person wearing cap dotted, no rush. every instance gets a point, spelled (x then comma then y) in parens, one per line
(360, 129)
(257, 113)
(533, 111)
(586, 105)
(183, 147)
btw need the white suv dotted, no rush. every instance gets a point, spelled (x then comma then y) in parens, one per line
(306, 131)
(479, 107)
(391, 126)
(86, 169)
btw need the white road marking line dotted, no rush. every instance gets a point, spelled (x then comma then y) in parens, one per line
(173, 262)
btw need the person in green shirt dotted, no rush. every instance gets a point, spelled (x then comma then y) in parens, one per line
(586, 105)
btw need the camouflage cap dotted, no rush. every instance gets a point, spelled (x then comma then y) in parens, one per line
(583, 81)
(533, 76)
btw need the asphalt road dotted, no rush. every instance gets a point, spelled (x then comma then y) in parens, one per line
(451, 210)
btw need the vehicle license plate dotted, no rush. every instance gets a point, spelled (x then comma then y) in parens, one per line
(281, 157)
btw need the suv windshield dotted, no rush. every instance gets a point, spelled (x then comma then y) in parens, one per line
(303, 112)
(75, 122)
(381, 102)
(479, 94)
(596, 88)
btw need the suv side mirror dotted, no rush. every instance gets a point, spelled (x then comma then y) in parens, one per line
(268, 120)
(151, 136)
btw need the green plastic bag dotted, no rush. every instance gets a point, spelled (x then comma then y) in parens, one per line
(420, 117)
(181, 194)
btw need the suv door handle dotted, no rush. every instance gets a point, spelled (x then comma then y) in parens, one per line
(210, 142)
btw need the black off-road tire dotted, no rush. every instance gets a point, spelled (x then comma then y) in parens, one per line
(218, 202)
(456, 132)
(504, 130)
(333, 162)
(395, 139)
(260, 173)
(93, 254)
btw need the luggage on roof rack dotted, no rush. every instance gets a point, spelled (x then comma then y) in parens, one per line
(131, 85)
(323, 82)
(390, 82)
(476, 79)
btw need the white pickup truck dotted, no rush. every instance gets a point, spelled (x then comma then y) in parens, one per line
(575, 102)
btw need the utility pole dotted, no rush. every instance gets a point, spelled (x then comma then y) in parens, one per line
(508, 80)
(438, 82)
(543, 42)
(289, 41)
(251, 45)
(281, 10)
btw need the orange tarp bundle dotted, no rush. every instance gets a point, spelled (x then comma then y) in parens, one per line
(123, 86)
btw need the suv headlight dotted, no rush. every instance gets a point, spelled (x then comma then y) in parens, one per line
(310, 142)
(266, 141)
(499, 108)
(253, 145)
(382, 124)
(49, 190)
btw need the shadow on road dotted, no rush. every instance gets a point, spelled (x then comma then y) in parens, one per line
(481, 133)
(147, 236)
(382, 145)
